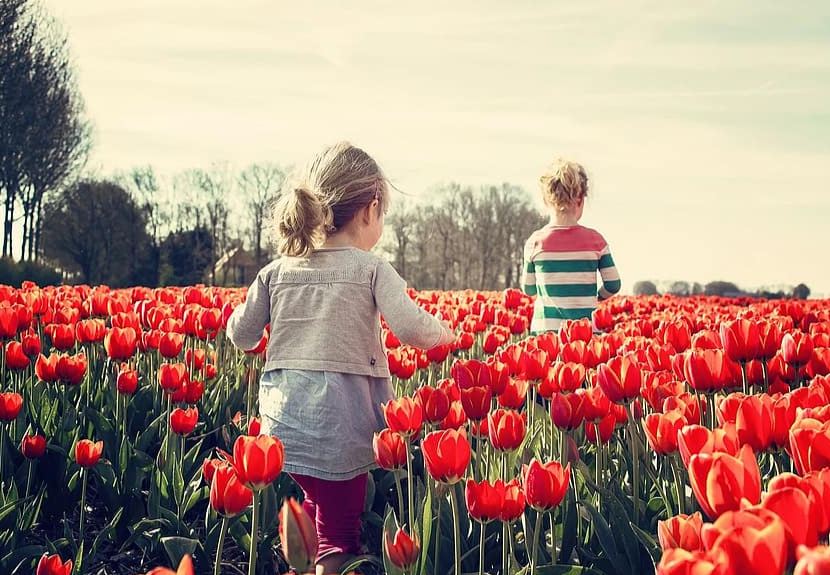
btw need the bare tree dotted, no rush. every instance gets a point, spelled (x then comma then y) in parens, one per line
(260, 185)
(44, 138)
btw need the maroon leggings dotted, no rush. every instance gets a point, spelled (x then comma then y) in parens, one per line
(335, 507)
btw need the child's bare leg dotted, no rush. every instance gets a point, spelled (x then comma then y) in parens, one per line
(333, 563)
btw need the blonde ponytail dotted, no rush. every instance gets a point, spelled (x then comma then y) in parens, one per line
(299, 217)
(338, 182)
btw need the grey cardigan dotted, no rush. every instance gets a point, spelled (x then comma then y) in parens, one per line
(325, 310)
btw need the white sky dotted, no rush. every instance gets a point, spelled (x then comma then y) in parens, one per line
(705, 126)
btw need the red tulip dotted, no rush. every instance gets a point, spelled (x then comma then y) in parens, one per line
(661, 430)
(127, 380)
(403, 551)
(565, 376)
(720, 481)
(514, 394)
(172, 376)
(621, 379)
(10, 405)
(121, 343)
(404, 416)
(33, 446)
(170, 344)
(62, 335)
(706, 370)
(681, 531)
(470, 373)
(183, 422)
(254, 424)
(514, 501)
(753, 421)
(810, 445)
(8, 322)
(258, 460)
(455, 418)
(185, 568)
(815, 561)
(545, 484)
(90, 330)
(434, 402)
(567, 410)
(575, 330)
(71, 369)
(228, 496)
(52, 565)
(31, 344)
(476, 401)
(16, 359)
(87, 453)
(45, 367)
(446, 455)
(681, 562)
(209, 467)
(605, 427)
(484, 500)
(793, 506)
(796, 348)
(506, 429)
(389, 449)
(761, 551)
(298, 535)
(741, 340)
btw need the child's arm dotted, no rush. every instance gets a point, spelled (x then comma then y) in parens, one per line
(610, 277)
(249, 319)
(528, 272)
(410, 323)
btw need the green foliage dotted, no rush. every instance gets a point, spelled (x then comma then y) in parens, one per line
(15, 273)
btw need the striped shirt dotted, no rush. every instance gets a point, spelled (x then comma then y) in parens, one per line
(560, 269)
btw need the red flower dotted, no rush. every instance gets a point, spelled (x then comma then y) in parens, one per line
(565, 376)
(258, 460)
(815, 561)
(389, 449)
(403, 551)
(455, 418)
(621, 379)
(484, 500)
(720, 481)
(567, 410)
(8, 322)
(605, 426)
(741, 340)
(10, 405)
(476, 401)
(120, 343)
(52, 565)
(681, 531)
(71, 369)
(706, 370)
(797, 348)
(761, 551)
(16, 359)
(434, 402)
(254, 424)
(170, 344)
(533, 364)
(90, 330)
(681, 562)
(33, 446)
(298, 535)
(45, 367)
(62, 335)
(506, 429)
(753, 421)
(810, 445)
(87, 453)
(185, 568)
(514, 394)
(661, 430)
(183, 422)
(228, 496)
(678, 335)
(404, 416)
(446, 455)
(172, 376)
(514, 501)
(31, 344)
(696, 439)
(209, 467)
(545, 484)
(127, 380)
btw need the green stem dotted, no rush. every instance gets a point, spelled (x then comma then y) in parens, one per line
(254, 533)
(222, 532)
(456, 532)
(29, 479)
(505, 562)
(437, 532)
(85, 476)
(744, 382)
(679, 485)
(410, 488)
(540, 517)
(401, 509)
(481, 549)
(635, 463)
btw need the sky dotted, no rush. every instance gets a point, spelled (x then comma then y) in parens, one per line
(704, 126)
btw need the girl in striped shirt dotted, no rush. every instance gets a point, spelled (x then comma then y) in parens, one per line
(561, 260)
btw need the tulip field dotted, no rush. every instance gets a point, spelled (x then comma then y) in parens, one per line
(676, 435)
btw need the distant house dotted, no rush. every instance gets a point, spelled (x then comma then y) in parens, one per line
(237, 267)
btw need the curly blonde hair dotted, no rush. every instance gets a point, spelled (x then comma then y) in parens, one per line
(564, 184)
(325, 196)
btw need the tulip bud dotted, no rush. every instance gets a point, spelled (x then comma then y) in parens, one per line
(403, 551)
(298, 536)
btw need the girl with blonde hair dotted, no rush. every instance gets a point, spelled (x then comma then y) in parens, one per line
(326, 374)
(561, 260)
